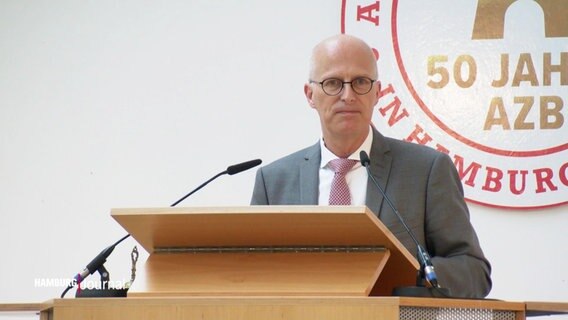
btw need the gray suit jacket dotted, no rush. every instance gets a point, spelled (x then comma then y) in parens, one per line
(425, 188)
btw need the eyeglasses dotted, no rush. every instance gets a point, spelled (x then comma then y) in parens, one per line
(333, 86)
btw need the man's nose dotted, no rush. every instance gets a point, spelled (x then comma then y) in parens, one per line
(347, 94)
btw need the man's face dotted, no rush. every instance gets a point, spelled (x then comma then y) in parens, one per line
(346, 114)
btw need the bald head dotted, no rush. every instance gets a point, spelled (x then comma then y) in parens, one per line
(346, 65)
(344, 48)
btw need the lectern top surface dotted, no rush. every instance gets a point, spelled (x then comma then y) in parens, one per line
(254, 226)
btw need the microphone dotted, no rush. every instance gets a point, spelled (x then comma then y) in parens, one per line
(231, 170)
(97, 264)
(426, 266)
(237, 168)
(98, 261)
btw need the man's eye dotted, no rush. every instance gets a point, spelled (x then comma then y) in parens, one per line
(332, 83)
(361, 82)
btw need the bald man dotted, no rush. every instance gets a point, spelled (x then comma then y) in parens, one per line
(343, 89)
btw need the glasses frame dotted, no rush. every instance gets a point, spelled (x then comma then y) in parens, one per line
(343, 83)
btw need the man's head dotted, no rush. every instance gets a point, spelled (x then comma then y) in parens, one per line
(345, 109)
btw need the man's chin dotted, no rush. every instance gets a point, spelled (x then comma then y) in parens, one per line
(352, 129)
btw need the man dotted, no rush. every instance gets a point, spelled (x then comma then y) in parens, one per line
(422, 183)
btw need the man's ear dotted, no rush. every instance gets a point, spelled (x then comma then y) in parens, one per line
(309, 92)
(378, 93)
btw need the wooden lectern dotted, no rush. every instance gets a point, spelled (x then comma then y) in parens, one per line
(270, 262)
(266, 251)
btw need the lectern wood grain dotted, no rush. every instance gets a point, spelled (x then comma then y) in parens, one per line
(261, 308)
(263, 274)
(176, 238)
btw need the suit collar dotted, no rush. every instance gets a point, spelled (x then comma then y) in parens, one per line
(309, 175)
(381, 161)
(380, 167)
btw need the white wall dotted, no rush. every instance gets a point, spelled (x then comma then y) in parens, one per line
(107, 104)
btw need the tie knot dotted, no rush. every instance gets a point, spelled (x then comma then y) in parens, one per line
(341, 165)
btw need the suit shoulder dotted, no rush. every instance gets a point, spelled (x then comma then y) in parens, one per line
(293, 159)
(413, 149)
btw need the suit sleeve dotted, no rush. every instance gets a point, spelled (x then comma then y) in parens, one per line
(450, 237)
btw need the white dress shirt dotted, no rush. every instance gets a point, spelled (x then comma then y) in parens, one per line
(356, 177)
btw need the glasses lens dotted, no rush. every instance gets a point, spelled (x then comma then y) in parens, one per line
(362, 85)
(332, 86)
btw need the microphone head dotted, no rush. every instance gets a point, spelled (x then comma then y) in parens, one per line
(365, 161)
(234, 169)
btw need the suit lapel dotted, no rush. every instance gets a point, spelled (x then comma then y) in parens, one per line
(381, 162)
(309, 176)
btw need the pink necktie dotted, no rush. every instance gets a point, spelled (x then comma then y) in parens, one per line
(340, 194)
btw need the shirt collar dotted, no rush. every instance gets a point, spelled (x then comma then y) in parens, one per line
(327, 155)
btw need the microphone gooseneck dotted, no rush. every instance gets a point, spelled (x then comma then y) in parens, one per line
(426, 266)
(234, 169)
(97, 264)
